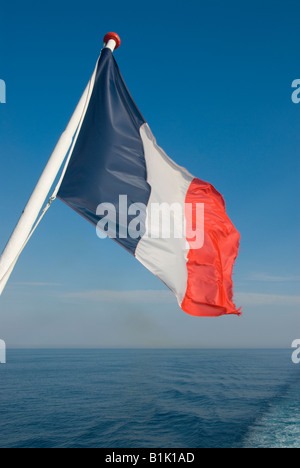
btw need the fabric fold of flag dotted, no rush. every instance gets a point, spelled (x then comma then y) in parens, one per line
(117, 163)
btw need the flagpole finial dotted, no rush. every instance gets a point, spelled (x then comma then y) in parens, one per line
(115, 40)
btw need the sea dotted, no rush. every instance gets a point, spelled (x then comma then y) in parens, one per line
(149, 398)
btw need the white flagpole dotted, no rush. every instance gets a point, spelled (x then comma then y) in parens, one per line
(27, 220)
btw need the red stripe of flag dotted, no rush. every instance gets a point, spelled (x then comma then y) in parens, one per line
(209, 288)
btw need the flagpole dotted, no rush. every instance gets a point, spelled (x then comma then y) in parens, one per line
(30, 214)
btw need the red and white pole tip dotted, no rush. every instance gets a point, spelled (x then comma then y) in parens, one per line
(112, 41)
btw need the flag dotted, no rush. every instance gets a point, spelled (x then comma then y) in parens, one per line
(120, 180)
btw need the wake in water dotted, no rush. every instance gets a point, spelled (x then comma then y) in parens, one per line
(279, 427)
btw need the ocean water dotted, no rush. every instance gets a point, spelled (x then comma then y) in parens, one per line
(149, 398)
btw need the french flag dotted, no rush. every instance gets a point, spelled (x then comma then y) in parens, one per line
(117, 163)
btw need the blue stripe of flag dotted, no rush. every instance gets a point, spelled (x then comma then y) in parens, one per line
(108, 158)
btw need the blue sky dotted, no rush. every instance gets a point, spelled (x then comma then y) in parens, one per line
(213, 80)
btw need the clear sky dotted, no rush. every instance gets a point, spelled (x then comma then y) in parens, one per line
(213, 80)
